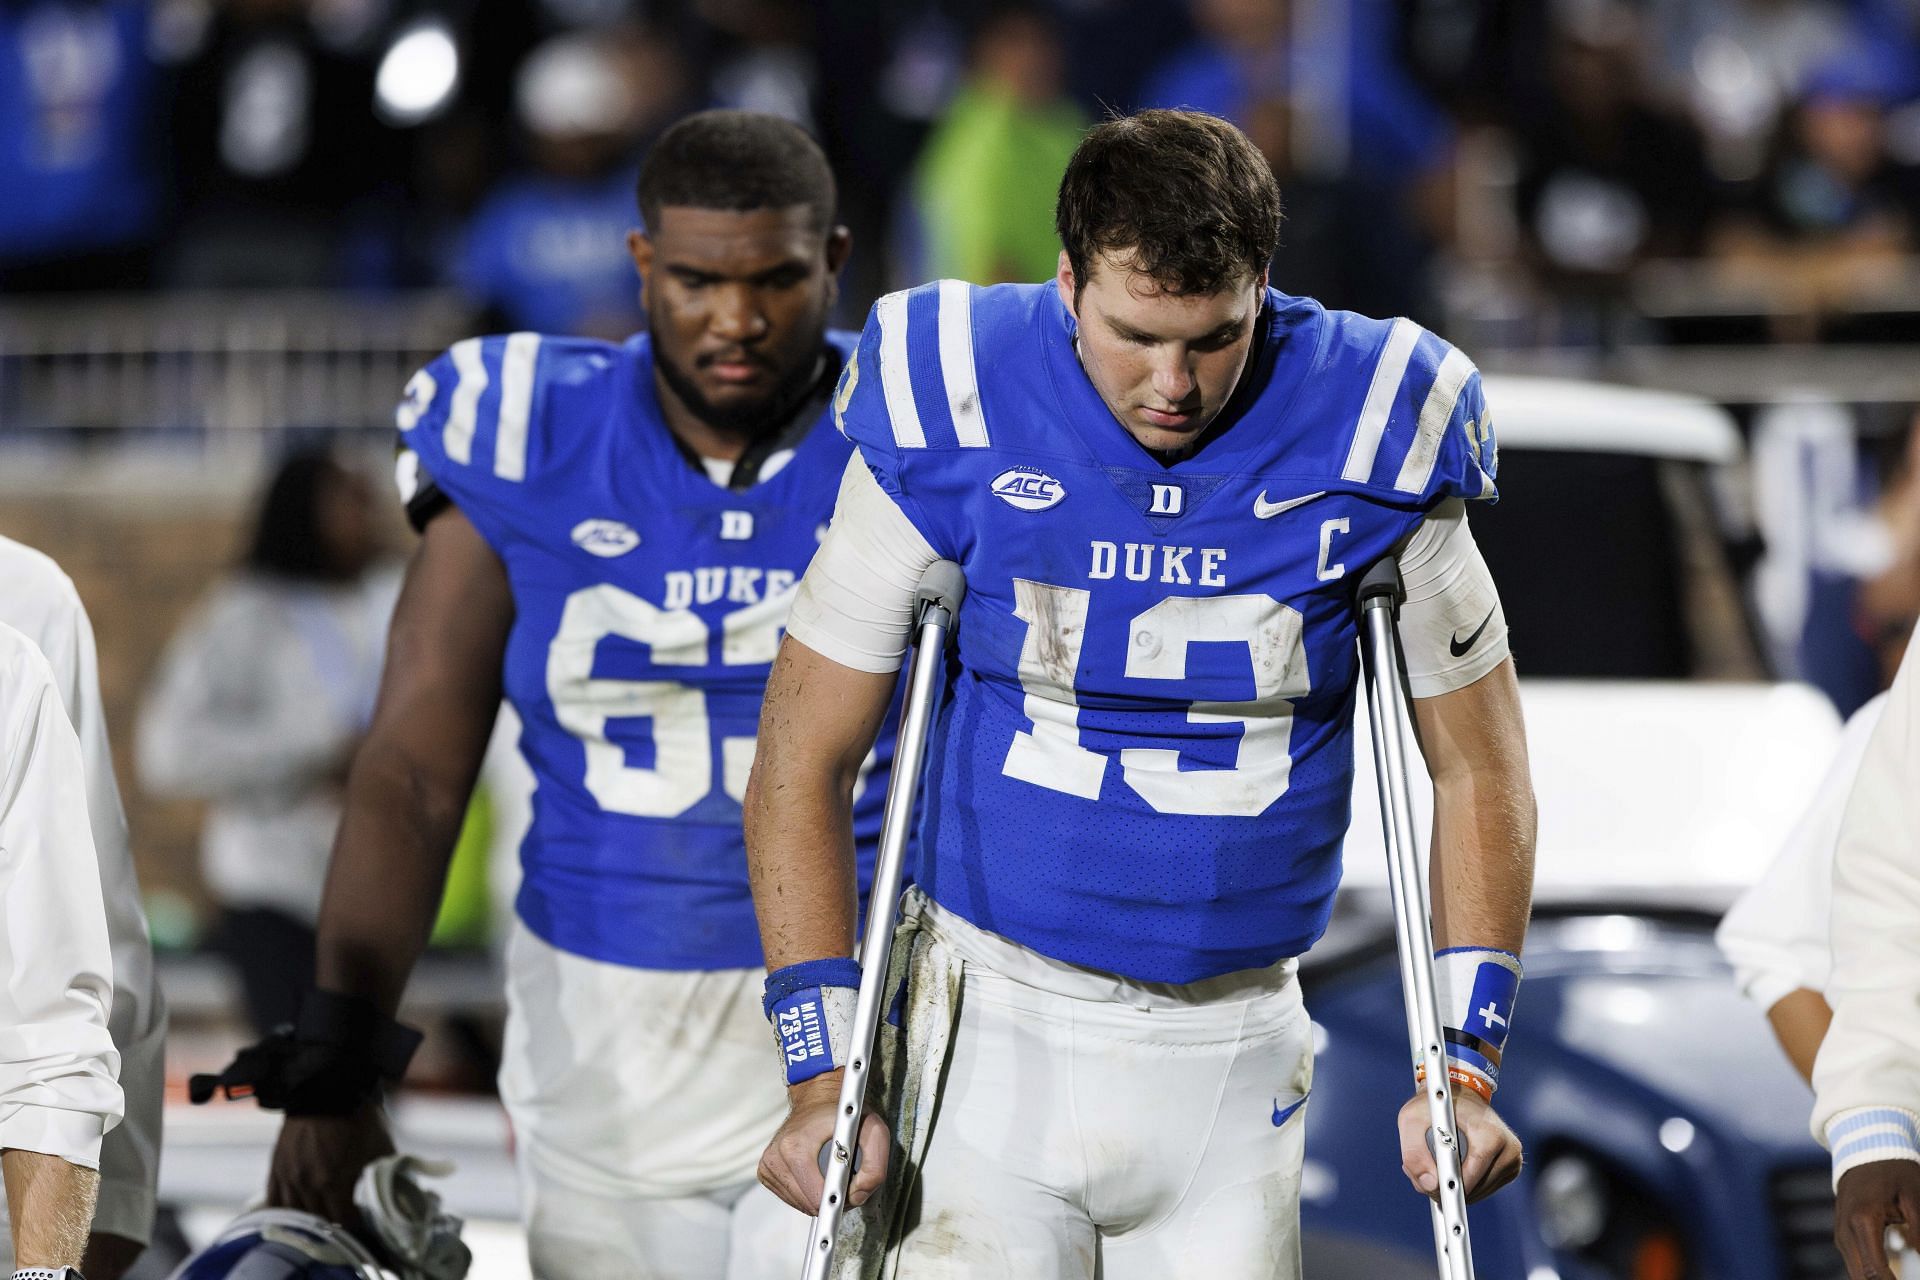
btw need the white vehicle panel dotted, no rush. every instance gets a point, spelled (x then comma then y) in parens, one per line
(1648, 791)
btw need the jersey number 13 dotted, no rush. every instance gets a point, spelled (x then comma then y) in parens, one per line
(1050, 755)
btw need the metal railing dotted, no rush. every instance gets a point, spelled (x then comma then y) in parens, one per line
(1492, 313)
(202, 366)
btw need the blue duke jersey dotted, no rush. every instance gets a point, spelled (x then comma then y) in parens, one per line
(1146, 762)
(649, 602)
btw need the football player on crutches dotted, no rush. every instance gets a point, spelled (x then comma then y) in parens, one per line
(1379, 596)
(801, 1017)
(1119, 828)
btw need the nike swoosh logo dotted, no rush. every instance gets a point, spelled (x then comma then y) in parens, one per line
(1282, 1114)
(1457, 647)
(1264, 510)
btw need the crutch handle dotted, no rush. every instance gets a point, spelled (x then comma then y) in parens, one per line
(1459, 1140)
(1382, 580)
(826, 1154)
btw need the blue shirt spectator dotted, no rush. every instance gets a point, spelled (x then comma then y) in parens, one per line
(548, 253)
(76, 92)
(1248, 54)
(1362, 156)
(547, 249)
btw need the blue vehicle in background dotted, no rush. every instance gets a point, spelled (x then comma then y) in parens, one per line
(1666, 1133)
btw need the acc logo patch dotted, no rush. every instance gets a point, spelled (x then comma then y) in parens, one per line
(1028, 488)
(604, 538)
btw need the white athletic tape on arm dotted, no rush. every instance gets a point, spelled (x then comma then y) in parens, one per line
(1452, 627)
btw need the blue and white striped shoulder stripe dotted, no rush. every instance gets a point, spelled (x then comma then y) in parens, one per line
(1868, 1134)
(927, 371)
(1375, 430)
(517, 357)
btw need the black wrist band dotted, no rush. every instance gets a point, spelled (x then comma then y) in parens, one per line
(336, 1057)
(354, 1028)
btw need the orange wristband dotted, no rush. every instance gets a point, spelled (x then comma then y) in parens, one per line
(1459, 1076)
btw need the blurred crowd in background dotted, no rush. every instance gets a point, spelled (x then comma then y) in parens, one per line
(1557, 186)
(381, 144)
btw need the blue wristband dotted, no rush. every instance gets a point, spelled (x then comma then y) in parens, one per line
(811, 1007)
(1477, 988)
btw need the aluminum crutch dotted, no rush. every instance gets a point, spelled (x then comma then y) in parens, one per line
(1379, 598)
(936, 606)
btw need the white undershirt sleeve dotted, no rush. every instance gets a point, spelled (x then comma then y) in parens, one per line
(855, 604)
(1451, 627)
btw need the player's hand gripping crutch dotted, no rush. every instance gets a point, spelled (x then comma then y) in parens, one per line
(1380, 594)
(936, 606)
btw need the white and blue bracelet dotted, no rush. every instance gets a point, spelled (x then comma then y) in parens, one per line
(1476, 988)
(1864, 1135)
(811, 1007)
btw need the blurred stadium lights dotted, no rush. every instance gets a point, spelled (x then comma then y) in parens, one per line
(418, 75)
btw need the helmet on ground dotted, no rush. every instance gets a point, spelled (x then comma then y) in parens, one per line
(282, 1244)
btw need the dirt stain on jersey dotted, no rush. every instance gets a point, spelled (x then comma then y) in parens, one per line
(1054, 634)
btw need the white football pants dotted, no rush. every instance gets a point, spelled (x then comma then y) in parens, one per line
(1091, 1126)
(641, 1100)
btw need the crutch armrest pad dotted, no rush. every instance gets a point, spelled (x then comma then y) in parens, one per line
(1382, 580)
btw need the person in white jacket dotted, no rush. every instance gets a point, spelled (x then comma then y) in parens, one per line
(58, 1091)
(1867, 1077)
(1775, 935)
(257, 707)
(40, 601)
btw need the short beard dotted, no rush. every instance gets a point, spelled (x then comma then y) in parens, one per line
(749, 419)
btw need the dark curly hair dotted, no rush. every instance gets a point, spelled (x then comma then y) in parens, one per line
(740, 161)
(1184, 196)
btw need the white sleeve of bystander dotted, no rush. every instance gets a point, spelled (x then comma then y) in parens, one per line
(59, 1088)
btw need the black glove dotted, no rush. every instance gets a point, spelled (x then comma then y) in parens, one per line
(336, 1056)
